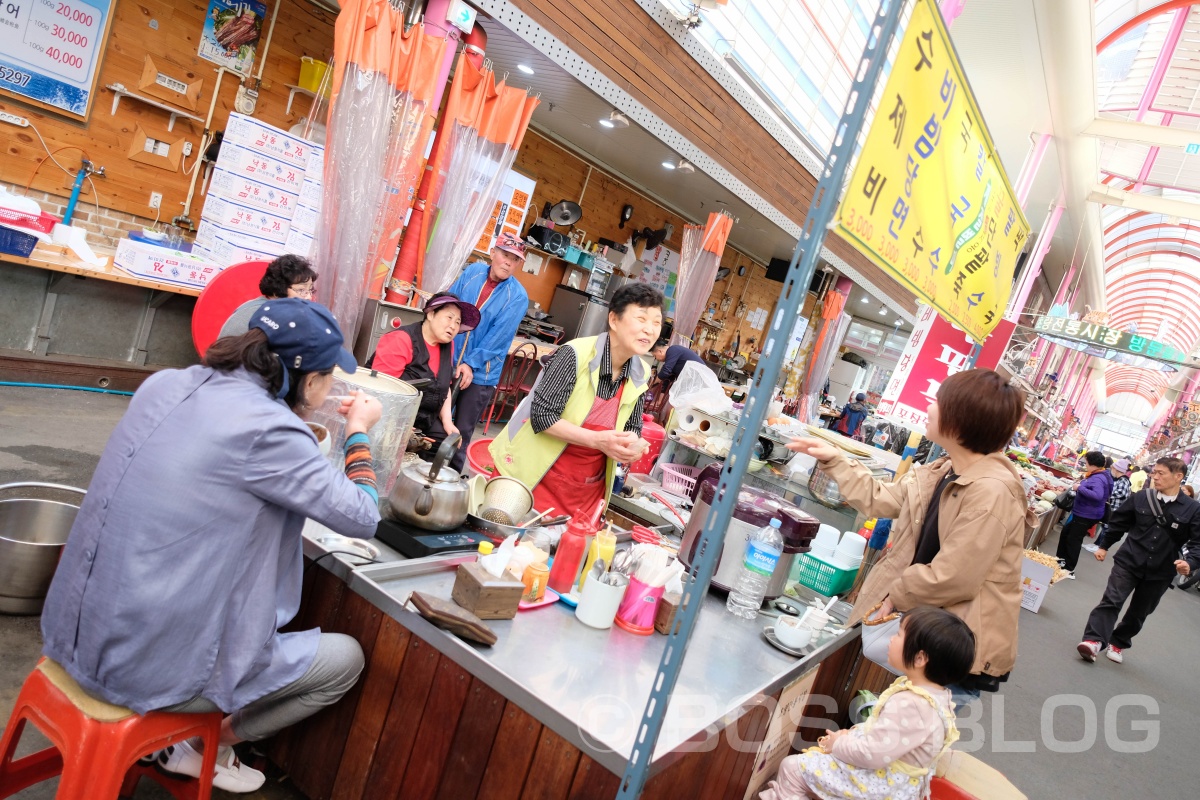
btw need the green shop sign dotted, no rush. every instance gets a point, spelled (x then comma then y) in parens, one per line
(1111, 344)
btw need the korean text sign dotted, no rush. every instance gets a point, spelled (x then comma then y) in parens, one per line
(935, 351)
(929, 201)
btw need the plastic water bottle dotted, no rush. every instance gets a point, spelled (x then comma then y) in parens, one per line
(763, 550)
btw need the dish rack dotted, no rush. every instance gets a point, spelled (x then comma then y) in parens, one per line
(678, 479)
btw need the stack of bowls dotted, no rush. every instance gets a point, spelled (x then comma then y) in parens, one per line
(849, 552)
(824, 545)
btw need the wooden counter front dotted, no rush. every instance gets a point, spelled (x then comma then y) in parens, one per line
(417, 725)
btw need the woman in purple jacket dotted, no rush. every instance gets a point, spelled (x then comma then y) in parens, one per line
(1091, 496)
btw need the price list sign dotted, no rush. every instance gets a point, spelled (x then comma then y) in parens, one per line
(50, 51)
(929, 201)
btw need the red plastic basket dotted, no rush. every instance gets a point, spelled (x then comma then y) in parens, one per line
(479, 459)
(42, 222)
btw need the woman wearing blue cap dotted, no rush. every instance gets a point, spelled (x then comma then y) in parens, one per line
(185, 557)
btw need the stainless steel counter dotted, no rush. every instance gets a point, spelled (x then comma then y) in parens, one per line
(590, 686)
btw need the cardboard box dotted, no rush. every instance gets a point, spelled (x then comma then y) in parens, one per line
(311, 192)
(299, 243)
(261, 167)
(248, 192)
(227, 249)
(163, 264)
(306, 219)
(267, 139)
(230, 216)
(1035, 580)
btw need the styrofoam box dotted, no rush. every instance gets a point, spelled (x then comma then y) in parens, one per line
(1035, 580)
(267, 139)
(306, 219)
(204, 234)
(246, 221)
(260, 167)
(249, 192)
(163, 264)
(311, 192)
(299, 243)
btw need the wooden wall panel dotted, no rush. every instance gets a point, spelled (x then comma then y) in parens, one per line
(301, 30)
(622, 41)
(472, 742)
(435, 730)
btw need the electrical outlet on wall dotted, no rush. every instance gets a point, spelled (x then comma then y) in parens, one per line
(13, 119)
(155, 200)
(187, 149)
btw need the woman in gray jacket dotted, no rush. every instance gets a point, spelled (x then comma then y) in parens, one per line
(185, 558)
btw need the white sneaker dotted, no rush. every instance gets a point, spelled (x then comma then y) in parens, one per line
(231, 775)
(1070, 576)
(1114, 654)
(1091, 548)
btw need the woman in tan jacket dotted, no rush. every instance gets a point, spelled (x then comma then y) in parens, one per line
(959, 525)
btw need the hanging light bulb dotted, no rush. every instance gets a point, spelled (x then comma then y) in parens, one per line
(882, 310)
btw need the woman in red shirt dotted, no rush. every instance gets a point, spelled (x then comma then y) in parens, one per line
(422, 351)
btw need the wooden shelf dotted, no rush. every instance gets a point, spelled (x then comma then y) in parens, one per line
(120, 91)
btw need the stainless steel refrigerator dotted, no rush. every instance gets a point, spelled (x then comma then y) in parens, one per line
(578, 313)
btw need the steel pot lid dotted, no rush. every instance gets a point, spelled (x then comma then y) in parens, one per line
(757, 507)
(374, 382)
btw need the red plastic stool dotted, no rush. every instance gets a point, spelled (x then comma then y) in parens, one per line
(95, 743)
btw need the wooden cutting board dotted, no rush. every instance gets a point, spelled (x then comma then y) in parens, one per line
(454, 618)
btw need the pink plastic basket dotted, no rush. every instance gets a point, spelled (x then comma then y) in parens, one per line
(678, 479)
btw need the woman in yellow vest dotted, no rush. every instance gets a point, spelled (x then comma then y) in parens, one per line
(584, 415)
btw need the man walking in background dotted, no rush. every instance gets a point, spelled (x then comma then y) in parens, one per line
(481, 353)
(1160, 521)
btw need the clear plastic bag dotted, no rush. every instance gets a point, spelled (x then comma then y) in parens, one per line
(697, 387)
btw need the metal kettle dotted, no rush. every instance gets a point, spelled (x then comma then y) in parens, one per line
(431, 496)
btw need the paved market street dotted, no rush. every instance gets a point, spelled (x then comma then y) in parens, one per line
(1060, 728)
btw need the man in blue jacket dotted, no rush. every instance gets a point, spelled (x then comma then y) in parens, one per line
(1091, 496)
(480, 354)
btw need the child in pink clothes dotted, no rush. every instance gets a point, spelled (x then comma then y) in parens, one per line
(892, 755)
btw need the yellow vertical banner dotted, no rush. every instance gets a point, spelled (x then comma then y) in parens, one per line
(929, 201)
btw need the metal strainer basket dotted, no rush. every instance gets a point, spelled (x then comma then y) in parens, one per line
(509, 495)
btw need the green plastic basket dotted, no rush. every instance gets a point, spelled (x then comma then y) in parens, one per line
(823, 577)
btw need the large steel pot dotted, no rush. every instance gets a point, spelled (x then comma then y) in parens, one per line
(431, 496)
(33, 532)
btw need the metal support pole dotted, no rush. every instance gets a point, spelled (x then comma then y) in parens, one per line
(804, 261)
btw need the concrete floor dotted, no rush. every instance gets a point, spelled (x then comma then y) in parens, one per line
(1060, 727)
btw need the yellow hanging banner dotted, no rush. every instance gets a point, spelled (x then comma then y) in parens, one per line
(929, 201)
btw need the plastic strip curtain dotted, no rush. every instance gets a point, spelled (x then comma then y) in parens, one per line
(489, 122)
(822, 363)
(824, 348)
(698, 265)
(372, 137)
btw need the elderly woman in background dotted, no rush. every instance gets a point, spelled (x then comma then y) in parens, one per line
(959, 525)
(286, 276)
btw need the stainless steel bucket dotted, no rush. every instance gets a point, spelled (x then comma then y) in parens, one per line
(33, 532)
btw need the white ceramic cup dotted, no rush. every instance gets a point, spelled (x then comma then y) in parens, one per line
(790, 633)
(814, 619)
(598, 603)
(324, 440)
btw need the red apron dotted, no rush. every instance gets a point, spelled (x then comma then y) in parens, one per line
(575, 482)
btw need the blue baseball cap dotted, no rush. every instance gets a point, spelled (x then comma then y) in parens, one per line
(303, 334)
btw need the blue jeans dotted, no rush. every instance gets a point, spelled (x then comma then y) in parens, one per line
(961, 696)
